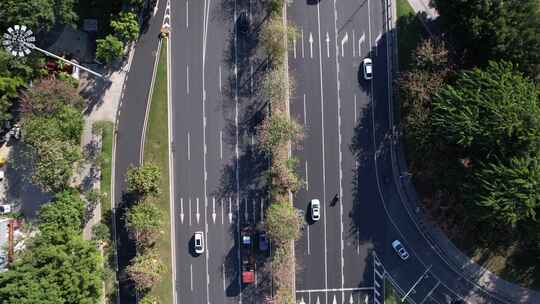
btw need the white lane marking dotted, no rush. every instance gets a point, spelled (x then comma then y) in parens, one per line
(189, 208)
(353, 44)
(307, 176)
(187, 13)
(340, 153)
(334, 301)
(294, 46)
(220, 144)
(302, 37)
(327, 45)
(222, 211)
(355, 118)
(197, 214)
(377, 41)
(191, 275)
(431, 292)
(302, 301)
(262, 210)
(360, 41)
(223, 275)
(214, 209)
(252, 139)
(254, 211)
(246, 215)
(237, 152)
(187, 79)
(188, 147)
(219, 72)
(323, 154)
(182, 210)
(230, 210)
(308, 242)
(251, 79)
(305, 116)
(343, 41)
(310, 45)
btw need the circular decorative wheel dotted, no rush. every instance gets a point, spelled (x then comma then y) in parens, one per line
(18, 40)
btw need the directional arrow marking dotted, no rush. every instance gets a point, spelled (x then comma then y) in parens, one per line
(230, 210)
(198, 215)
(182, 210)
(318, 301)
(327, 45)
(343, 41)
(302, 301)
(310, 45)
(351, 300)
(189, 211)
(214, 209)
(334, 301)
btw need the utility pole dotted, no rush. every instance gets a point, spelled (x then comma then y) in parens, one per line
(19, 41)
(416, 283)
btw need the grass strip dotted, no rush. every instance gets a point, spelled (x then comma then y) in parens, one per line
(390, 296)
(410, 33)
(156, 152)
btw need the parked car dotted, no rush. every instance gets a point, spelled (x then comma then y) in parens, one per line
(401, 251)
(368, 68)
(198, 242)
(264, 244)
(315, 205)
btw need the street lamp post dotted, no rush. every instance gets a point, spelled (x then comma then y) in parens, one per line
(416, 283)
(19, 41)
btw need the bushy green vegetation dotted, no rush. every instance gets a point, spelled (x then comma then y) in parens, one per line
(57, 266)
(471, 120)
(144, 181)
(39, 15)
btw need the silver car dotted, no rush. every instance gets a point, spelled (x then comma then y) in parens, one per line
(315, 210)
(398, 247)
(368, 68)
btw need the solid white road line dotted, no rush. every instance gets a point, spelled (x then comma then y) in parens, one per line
(355, 118)
(223, 275)
(327, 45)
(323, 153)
(308, 242)
(191, 275)
(294, 46)
(219, 72)
(187, 79)
(187, 13)
(310, 45)
(214, 209)
(222, 211)
(305, 116)
(237, 152)
(188, 147)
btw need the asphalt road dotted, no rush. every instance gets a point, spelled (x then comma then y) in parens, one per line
(216, 190)
(128, 138)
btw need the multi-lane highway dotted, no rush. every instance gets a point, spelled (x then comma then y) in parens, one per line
(347, 159)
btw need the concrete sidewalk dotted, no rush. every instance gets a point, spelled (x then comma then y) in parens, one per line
(423, 6)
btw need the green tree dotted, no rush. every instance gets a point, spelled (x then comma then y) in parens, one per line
(144, 180)
(276, 130)
(63, 215)
(109, 49)
(495, 30)
(509, 191)
(489, 113)
(272, 38)
(145, 270)
(126, 26)
(54, 161)
(8, 96)
(282, 222)
(144, 222)
(101, 233)
(39, 15)
(149, 299)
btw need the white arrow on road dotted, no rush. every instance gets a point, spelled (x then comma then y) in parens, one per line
(182, 210)
(351, 300)
(230, 210)
(327, 45)
(360, 41)
(302, 301)
(214, 209)
(334, 301)
(343, 41)
(198, 215)
(189, 211)
(318, 301)
(366, 300)
(310, 45)
(262, 210)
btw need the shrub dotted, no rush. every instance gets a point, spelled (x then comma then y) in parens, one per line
(109, 49)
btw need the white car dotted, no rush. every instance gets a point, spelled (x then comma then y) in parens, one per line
(315, 209)
(398, 247)
(198, 242)
(5, 209)
(368, 68)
